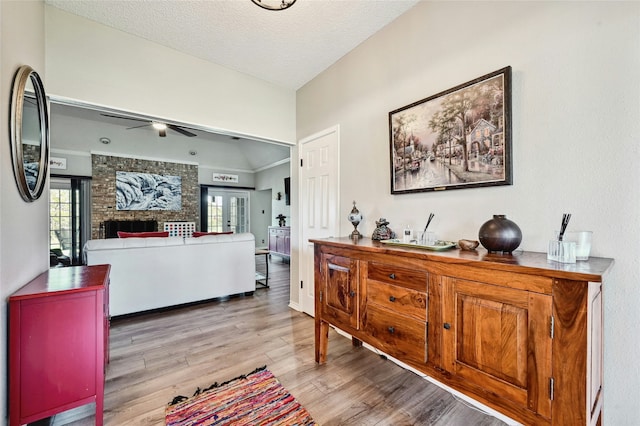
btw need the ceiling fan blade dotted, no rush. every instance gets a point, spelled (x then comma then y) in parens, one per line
(181, 130)
(137, 127)
(121, 117)
(162, 133)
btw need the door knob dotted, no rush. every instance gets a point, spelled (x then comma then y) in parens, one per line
(447, 326)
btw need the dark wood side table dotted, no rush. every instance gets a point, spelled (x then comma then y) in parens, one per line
(263, 279)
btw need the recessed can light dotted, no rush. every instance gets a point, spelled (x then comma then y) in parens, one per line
(105, 141)
(193, 152)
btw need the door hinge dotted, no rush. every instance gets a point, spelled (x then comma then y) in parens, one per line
(321, 295)
(552, 323)
(301, 284)
(301, 162)
(551, 383)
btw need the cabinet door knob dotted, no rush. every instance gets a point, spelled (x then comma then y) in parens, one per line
(391, 330)
(392, 276)
(392, 299)
(352, 293)
(447, 326)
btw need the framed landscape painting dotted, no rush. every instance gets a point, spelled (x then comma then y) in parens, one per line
(459, 138)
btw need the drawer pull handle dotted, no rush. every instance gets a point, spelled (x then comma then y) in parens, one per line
(391, 330)
(447, 326)
(352, 293)
(392, 276)
(392, 299)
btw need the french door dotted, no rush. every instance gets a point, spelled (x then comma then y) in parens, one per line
(225, 210)
(69, 216)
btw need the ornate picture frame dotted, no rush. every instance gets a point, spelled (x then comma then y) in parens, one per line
(458, 138)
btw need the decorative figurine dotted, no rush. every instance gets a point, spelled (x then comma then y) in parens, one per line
(355, 218)
(281, 219)
(382, 232)
(468, 245)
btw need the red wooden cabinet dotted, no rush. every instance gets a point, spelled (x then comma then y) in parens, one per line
(58, 343)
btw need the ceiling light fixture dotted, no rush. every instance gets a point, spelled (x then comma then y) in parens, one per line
(159, 126)
(274, 4)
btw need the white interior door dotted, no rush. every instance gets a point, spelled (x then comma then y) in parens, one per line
(319, 202)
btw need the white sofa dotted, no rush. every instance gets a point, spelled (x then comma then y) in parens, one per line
(152, 273)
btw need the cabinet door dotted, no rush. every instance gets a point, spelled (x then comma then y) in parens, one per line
(339, 295)
(273, 240)
(55, 354)
(287, 245)
(498, 339)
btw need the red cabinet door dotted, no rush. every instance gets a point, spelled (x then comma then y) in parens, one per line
(58, 334)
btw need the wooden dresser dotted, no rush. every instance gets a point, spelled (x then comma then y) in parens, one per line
(58, 343)
(515, 332)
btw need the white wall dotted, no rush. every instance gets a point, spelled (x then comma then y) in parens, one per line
(260, 216)
(24, 226)
(576, 121)
(273, 178)
(205, 177)
(96, 64)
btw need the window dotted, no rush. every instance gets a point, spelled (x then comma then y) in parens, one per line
(214, 217)
(60, 209)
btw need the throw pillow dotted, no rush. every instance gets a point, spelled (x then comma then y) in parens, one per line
(122, 234)
(201, 234)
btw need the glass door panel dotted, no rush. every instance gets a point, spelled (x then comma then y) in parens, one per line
(68, 215)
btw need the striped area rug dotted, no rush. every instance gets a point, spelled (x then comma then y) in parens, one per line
(255, 399)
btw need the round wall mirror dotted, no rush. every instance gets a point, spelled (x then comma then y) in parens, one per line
(29, 123)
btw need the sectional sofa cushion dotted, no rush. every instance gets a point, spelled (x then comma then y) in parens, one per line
(123, 234)
(202, 234)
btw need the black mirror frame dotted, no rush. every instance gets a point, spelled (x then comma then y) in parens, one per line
(23, 74)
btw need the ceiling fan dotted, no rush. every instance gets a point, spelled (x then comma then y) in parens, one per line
(159, 126)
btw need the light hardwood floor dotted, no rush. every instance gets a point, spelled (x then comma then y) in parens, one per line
(157, 356)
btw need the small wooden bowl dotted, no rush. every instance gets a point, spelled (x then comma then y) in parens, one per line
(468, 245)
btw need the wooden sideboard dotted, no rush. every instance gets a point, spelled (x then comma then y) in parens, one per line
(58, 343)
(280, 241)
(515, 332)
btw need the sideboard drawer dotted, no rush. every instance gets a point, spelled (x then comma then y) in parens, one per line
(398, 299)
(390, 274)
(279, 232)
(397, 335)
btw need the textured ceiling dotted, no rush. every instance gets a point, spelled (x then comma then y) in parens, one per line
(287, 47)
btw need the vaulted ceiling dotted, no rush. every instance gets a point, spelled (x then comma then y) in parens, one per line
(287, 48)
(81, 129)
